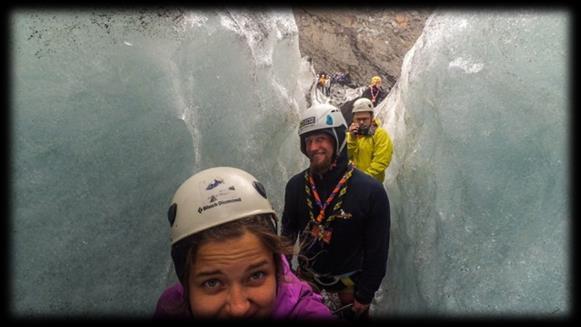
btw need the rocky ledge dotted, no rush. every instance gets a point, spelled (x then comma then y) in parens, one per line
(361, 42)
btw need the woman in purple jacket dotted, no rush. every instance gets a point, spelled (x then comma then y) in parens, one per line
(228, 258)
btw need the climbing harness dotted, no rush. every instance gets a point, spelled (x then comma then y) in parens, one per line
(347, 306)
(330, 280)
(326, 280)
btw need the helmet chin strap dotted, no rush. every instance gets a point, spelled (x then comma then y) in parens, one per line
(337, 151)
(334, 163)
(340, 147)
(274, 223)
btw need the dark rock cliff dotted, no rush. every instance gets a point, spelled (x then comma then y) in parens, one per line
(363, 42)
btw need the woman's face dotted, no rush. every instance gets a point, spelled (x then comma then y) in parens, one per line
(233, 278)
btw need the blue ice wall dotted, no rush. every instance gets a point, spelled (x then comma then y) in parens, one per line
(111, 112)
(479, 182)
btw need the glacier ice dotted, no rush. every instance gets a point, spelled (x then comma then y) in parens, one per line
(112, 110)
(479, 177)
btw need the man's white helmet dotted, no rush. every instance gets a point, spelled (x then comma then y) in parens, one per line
(362, 105)
(325, 118)
(213, 197)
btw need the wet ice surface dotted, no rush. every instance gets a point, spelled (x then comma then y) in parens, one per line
(111, 112)
(479, 177)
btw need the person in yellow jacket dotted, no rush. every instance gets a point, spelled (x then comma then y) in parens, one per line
(368, 145)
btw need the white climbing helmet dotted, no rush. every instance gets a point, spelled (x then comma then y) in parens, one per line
(213, 197)
(325, 118)
(362, 105)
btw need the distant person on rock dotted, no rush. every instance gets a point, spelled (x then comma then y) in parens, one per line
(339, 214)
(327, 86)
(324, 84)
(368, 145)
(374, 92)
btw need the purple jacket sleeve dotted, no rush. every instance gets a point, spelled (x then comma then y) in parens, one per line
(297, 300)
(170, 304)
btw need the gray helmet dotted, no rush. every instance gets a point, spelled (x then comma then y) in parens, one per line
(362, 105)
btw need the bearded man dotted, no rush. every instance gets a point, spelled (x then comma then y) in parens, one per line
(339, 214)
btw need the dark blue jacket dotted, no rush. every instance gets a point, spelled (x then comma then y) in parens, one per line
(361, 242)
